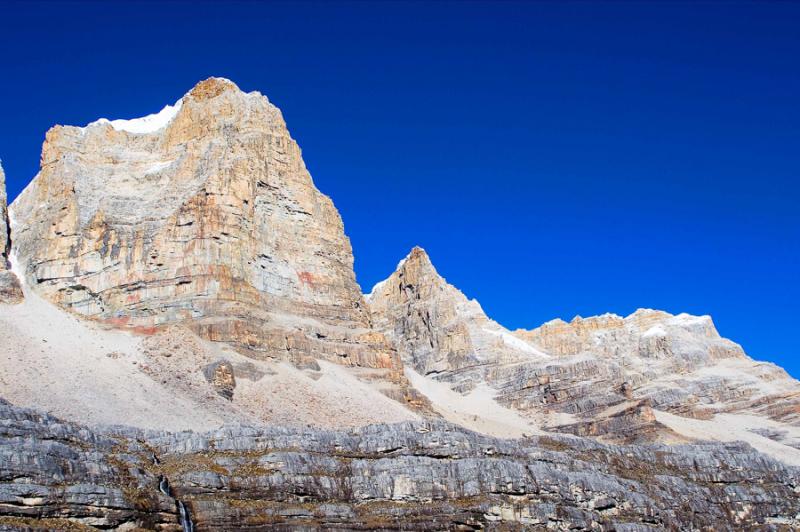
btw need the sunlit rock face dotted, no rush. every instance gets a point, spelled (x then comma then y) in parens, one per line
(203, 214)
(10, 290)
(437, 330)
(617, 379)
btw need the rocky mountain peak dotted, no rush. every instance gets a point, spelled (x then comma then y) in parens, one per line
(203, 214)
(182, 272)
(211, 88)
(436, 328)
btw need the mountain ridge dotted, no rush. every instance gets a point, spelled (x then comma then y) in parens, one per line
(182, 272)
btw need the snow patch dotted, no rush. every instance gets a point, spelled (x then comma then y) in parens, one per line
(146, 124)
(656, 330)
(515, 343)
(688, 319)
(158, 167)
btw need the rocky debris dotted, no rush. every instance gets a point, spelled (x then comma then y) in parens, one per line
(10, 289)
(220, 375)
(410, 476)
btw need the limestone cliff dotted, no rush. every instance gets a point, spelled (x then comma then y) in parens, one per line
(437, 330)
(408, 476)
(10, 290)
(203, 214)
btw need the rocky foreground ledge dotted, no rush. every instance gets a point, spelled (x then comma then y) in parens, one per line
(409, 476)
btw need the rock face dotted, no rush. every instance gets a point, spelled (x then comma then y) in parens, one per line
(221, 376)
(617, 379)
(411, 476)
(203, 214)
(10, 290)
(437, 330)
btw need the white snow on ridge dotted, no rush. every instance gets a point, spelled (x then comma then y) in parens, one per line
(146, 124)
(655, 330)
(514, 342)
(375, 289)
(158, 167)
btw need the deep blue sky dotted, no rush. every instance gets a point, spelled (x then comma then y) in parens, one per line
(554, 158)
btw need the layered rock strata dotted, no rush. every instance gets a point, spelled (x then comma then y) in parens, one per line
(437, 330)
(608, 377)
(203, 214)
(412, 476)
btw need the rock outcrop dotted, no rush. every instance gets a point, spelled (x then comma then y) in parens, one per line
(437, 330)
(10, 289)
(411, 476)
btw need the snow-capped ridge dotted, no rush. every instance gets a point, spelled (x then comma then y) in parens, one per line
(157, 121)
(146, 124)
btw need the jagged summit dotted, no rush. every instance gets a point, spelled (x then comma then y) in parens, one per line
(437, 330)
(416, 254)
(620, 379)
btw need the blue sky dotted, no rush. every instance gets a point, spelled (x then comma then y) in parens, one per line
(553, 158)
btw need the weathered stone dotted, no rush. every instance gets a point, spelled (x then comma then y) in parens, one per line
(221, 376)
(410, 476)
(605, 376)
(436, 329)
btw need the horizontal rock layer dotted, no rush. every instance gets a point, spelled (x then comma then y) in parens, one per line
(411, 476)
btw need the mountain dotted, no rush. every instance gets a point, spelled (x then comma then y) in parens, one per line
(205, 215)
(186, 345)
(648, 377)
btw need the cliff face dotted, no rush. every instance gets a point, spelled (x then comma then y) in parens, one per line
(10, 290)
(411, 476)
(437, 330)
(203, 214)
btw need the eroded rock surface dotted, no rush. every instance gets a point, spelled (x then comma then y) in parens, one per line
(212, 220)
(437, 330)
(202, 215)
(608, 377)
(409, 476)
